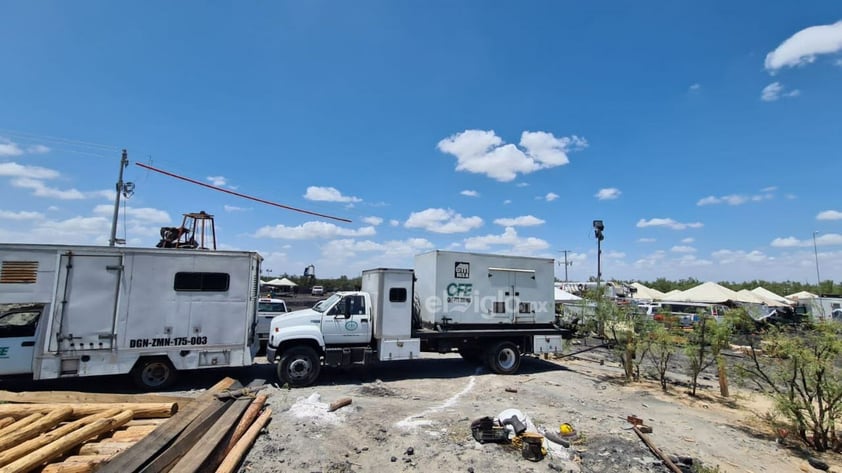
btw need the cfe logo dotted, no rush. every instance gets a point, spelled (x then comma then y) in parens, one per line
(459, 289)
(462, 270)
(4, 352)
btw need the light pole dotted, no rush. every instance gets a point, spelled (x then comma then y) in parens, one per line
(816, 252)
(566, 263)
(598, 227)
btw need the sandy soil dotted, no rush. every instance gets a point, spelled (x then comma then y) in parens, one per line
(415, 416)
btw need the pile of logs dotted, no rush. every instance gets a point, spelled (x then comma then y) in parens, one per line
(73, 432)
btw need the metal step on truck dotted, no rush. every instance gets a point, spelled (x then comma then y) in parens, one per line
(74, 311)
(490, 309)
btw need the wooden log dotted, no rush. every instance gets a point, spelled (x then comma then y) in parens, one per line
(25, 448)
(5, 421)
(233, 459)
(36, 428)
(67, 442)
(339, 404)
(77, 464)
(59, 397)
(21, 423)
(126, 436)
(144, 451)
(669, 464)
(137, 422)
(245, 422)
(237, 393)
(104, 448)
(142, 410)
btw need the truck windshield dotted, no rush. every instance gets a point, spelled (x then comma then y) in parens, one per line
(323, 305)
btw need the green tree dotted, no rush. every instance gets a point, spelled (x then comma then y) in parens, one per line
(627, 330)
(661, 350)
(704, 347)
(802, 371)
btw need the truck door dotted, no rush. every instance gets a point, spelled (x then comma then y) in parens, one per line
(348, 322)
(88, 291)
(17, 339)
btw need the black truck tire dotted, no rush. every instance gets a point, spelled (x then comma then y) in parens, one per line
(503, 358)
(299, 366)
(153, 374)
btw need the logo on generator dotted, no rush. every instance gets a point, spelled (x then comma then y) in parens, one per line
(462, 270)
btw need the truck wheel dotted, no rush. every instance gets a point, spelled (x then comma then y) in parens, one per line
(299, 366)
(153, 374)
(504, 358)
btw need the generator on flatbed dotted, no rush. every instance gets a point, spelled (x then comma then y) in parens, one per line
(488, 308)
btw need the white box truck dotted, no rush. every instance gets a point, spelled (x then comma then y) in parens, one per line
(73, 311)
(488, 308)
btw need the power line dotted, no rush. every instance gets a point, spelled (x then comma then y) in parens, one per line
(55, 139)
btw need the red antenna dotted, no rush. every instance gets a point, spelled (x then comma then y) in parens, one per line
(244, 196)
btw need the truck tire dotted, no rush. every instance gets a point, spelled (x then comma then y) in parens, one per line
(503, 358)
(153, 374)
(299, 366)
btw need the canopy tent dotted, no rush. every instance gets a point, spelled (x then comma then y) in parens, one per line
(646, 293)
(801, 295)
(751, 297)
(708, 292)
(770, 296)
(563, 296)
(280, 282)
(671, 295)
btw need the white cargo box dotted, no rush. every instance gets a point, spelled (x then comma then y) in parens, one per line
(546, 344)
(405, 349)
(470, 289)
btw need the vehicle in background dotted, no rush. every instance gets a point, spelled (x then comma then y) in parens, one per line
(267, 309)
(490, 309)
(317, 291)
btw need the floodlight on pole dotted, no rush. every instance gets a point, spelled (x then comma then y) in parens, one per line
(598, 227)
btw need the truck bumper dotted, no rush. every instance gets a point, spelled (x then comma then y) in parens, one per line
(270, 353)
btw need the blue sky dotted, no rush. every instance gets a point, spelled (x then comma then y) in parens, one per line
(706, 135)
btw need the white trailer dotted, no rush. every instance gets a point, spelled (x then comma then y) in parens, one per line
(488, 308)
(73, 311)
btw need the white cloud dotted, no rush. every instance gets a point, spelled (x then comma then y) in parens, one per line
(22, 215)
(483, 152)
(695, 87)
(37, 149)
(507, 201)
(668, 223)
(803, 47)
(442, 221)
(310, 230)
(609, 193)
(345, 249)
(829, 215)
(522, 184)
(646, 240)
(10, 148)
(769, 189)
(739, 256)
(775, 90)
(551, 196)
(234, 208)
(470, 193)
(144, 214)
(522, 221)
(737, 199)
(328, 194)
(41, 190)
(826, 239)
(682, 249)
(394, 223)
(218, 181)
(13, 169)
(688, 240)
(373, 220)
(510, 238)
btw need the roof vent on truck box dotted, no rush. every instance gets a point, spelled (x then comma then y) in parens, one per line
(18, 272)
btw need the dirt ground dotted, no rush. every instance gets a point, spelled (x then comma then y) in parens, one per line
(416, 416)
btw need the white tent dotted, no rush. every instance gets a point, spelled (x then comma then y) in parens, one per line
(563, 296)
(751, 297)
(646, 293)
(708, 292)
(280, 284)
(671, 295)
(770, 298)
(801, 295)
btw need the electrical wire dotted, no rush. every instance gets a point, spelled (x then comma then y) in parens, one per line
(55, 139)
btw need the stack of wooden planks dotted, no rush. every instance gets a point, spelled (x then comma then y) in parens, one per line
(74, 432)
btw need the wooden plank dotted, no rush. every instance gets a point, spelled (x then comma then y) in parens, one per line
(104, 448)
(199, 454)
(147, 449)
(36, 428)
(77, 464)
(233, 459)
(25, 448)
(58, 397)
(67, 442)
(142, 410)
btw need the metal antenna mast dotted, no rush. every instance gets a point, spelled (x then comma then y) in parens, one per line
(566, 263)
(124, 162)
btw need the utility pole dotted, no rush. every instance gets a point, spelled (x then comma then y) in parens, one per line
(124, 162)
(598, 227)
(816, 252)
(566, 263)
